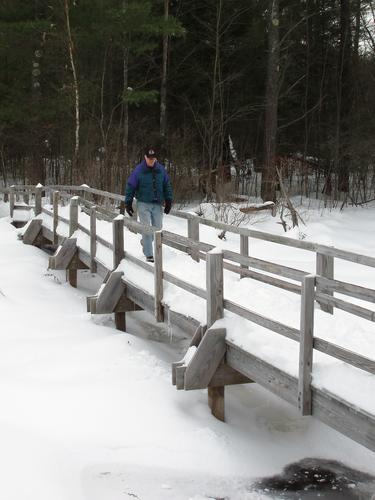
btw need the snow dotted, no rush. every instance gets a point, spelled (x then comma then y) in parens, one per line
(90, 413)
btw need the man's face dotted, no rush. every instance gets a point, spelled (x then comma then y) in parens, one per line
(150, 161)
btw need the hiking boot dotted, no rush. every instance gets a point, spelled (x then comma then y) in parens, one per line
(150, 259)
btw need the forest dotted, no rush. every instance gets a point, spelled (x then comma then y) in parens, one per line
(249, 97)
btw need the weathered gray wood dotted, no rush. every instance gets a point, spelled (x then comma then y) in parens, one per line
(345, 418)
(216, 402)
(118, 240)
(26, 198)
(55, 203)
(38, 200)
(206, 359)
(110, 293)
(356, 291)
(349, 357)
(93, 266)
(198, 335)
(306, 345)
(137, 227)
(264, 278)
(180, 377)
(32, 232)
(193, 234)
(64, 255)
(270, 324)
(324, 268)
(271, 378)
(120, 321)
(73, 215)
(244, 250)
(225, 375)
(72, 277)
(104, 242)
(12, 200)
(215, 286)
(359, 311)
(158, 277)
(264, 265)
(195, 290)
(215, 311)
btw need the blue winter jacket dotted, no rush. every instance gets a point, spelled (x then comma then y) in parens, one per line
(148, 184)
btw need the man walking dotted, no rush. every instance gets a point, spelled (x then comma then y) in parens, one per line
(149, 183)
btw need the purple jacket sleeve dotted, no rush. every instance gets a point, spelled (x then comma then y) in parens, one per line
(132, 185)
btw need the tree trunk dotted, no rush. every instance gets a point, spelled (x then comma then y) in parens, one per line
(268, 188)
(163, 88)
(75, 89)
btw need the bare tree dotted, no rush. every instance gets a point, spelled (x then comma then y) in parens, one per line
(268, 188)
(75, 88)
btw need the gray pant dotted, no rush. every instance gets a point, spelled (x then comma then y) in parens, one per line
(150, 214)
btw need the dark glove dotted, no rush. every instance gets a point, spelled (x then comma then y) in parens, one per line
(168, 206)
(129, 209)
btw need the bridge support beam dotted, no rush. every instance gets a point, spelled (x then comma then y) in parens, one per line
(111, 298)
(66, 258)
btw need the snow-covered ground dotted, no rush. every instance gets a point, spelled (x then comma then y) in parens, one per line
(90, 413)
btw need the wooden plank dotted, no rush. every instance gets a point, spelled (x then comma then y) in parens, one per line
(225, 375)
(264, 265)
(32, 232)
(93, 266)
(264, 278)
(215, 311)
(345, 355)
(64, 254)
(193, 234)
(353, 422)
(55, 204)
(215, 286)
(359, 311)
(188, 287)
(118, 240)
(244, 250)
(324, 267)
(158, 277)
(104, 242)
(180, 377)
(110, 293)
(73, 215)
(120, 321)
(216, 402)
(270, 324)
(356, 291)
(38, 199)
(268, 376)
(306, 345)
(198, 335)
(12, 200)
(206, 359)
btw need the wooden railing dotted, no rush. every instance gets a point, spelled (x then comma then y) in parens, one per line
(320, 287)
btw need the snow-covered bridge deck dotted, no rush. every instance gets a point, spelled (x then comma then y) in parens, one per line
(196, 287)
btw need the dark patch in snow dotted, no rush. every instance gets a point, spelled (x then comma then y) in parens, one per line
(314, 478)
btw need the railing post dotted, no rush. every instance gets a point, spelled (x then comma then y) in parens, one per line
(55, 203)
(38, 199)
(306, 345)
(11, 201)
(215, 311)
(118, 255)
(193, 234)
(325, 268)
(158, 276)
(73, 226)
(73, 215)
(93, 266)
(244, 250)
(26, 198)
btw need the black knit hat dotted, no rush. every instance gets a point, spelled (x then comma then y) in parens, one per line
(150, 152)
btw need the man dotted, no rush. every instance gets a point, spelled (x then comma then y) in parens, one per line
(150, 184)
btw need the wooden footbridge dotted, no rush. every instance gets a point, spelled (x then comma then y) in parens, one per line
(213, 360)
